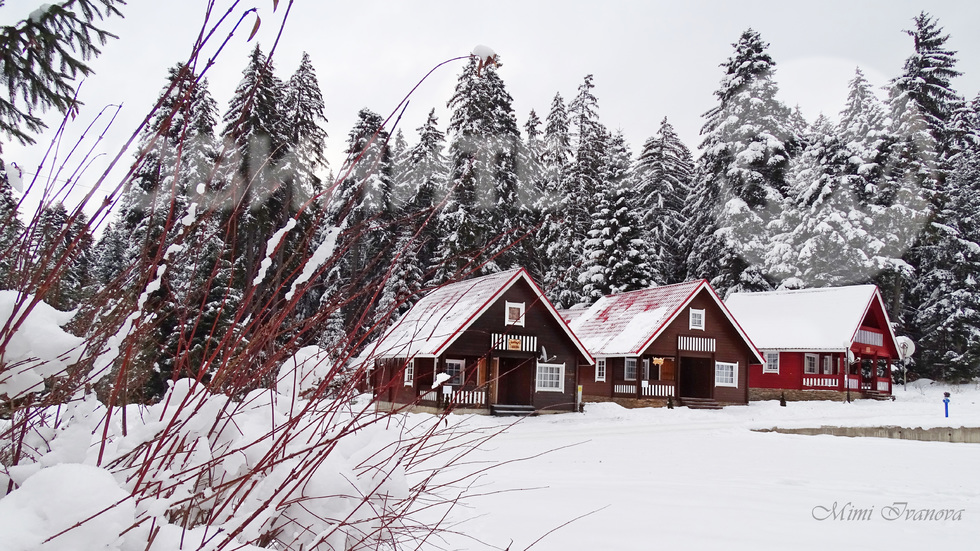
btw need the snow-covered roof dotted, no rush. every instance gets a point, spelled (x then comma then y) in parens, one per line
(440, 317)
(804, 319)
(626, 324)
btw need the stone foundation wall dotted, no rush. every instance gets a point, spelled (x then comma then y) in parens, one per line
(801, 395)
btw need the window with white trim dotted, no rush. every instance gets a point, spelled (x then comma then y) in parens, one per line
(810, 364)
(630, 374)
(828, 366)
(550, 378)
(726, 374)
(646, 369)
(410, 373)
(772, 362)
(515, 313)
(455, 368)
(697, 319)
(600, 369)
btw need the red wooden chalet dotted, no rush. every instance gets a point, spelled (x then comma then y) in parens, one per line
(808, 336)
(676, 342)
(491, 344)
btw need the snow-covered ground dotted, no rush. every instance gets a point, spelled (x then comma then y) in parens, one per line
(659, 478)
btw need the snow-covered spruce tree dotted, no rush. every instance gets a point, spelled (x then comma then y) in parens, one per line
(745, 154)
(486, 208)
(926, 80)
(663, 177)
(947, 291)
(862, 130)
(55, 234)
(823, 236)
(555, 163)
(582, 184)
(532, 166)
(921, 104)
(11, 231)
(616, 254)
(42, 56)
(361, 206)
(423, 185)
(303, 118)
(255, 141)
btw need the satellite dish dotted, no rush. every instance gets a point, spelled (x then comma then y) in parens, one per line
(850, 356)
(905, 347)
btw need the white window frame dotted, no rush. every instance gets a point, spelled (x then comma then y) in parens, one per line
(696, 315)
(520, 319)
(771, 366)
(626, 369)
(549, 384)
(410, 373)
(807, 370)
(827, 365)
(457, 378)
(600, 370)
(646, 369)
(734, 371)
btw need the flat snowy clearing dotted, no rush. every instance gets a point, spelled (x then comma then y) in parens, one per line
(659, 478)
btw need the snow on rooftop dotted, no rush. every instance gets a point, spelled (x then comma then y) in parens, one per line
(619, 325)
(439, 316)
(803, 319)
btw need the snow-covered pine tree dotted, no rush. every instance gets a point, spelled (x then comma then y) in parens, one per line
(862, 131)
(745, 154)
(485, 212)
(616, 254)
(663, 178)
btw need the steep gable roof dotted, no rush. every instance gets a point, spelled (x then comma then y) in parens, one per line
(625, 324)
(806, 319)
(440, 317)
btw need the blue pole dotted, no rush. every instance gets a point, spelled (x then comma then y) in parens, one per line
(946, 404)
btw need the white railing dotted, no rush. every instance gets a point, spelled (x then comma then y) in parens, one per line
(869, 337)
(429, 396)
(467, 397)
(624, 389)
(882, 386)
(822, 382)
(853, 383)
(658, 389)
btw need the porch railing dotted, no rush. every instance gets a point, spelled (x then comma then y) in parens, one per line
(658, 389)
(829, 381)
(853, 382)
(883, 385)
(652, 389)
(471, 397)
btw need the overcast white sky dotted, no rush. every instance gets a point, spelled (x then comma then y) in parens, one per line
(650, 59)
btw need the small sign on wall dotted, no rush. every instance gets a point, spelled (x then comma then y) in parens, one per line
(513, 344)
